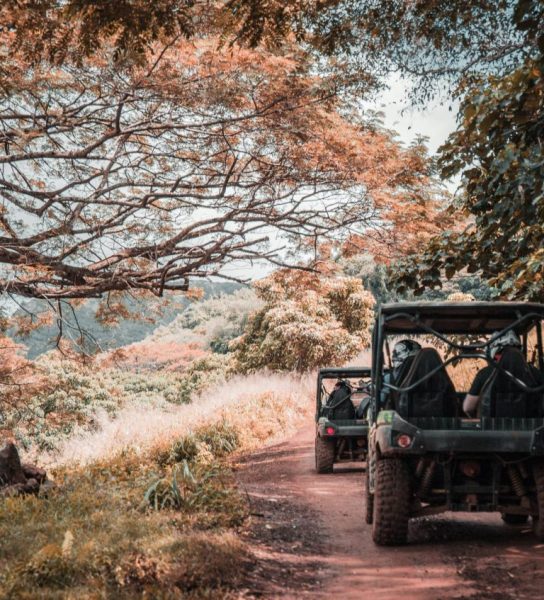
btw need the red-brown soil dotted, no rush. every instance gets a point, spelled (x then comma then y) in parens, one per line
(310, 540)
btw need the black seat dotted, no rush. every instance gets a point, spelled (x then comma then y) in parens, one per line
(339, 404)
(434, 397)
(502, 397)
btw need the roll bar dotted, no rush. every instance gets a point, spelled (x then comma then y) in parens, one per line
(466, 351)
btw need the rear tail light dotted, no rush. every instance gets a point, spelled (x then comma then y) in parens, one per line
(403, 440)
(330, 430)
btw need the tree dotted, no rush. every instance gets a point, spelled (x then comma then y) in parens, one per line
(498, 151)
(434, 45)
(117, 180)
(307, 321)
(489, 54)
(19, 380)
(429, 40)
(61, 30)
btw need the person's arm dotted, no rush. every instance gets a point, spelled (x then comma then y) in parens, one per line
(472, 399)
(470, 404)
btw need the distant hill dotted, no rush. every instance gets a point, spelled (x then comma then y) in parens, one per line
(105, 337)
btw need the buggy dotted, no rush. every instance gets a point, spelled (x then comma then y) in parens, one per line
(425, 456)
(341, 434)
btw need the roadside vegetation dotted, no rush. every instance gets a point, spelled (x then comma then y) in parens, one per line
(229, 134)
(159, 513)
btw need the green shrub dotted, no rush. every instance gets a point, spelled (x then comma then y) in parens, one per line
(221, 438)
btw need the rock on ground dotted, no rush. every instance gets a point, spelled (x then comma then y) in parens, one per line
(17, 478)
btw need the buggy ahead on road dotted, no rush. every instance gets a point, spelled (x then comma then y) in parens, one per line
(343, 398)
(425, 455)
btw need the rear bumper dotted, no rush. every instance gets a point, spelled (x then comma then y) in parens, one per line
(469, 440)
(352, 429)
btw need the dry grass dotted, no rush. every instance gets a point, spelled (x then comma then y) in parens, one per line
(263, 406)
(146, 506)
(208, 561)
(97, 534)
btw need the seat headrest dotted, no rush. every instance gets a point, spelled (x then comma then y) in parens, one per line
(502, 396)
(433, 397)
(513, 361)
(425, 361)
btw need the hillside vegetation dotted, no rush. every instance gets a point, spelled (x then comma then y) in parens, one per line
(155, 513)
(36, 326)
(141, 442)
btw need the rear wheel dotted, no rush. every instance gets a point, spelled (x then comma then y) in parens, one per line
(538, 522)
(510, 519)
(392, 498)
(324, 455)
(369, 498)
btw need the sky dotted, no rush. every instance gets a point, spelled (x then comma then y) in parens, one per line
(435, 122)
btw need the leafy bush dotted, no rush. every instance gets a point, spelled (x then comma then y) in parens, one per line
(307, 322)
(211, 323)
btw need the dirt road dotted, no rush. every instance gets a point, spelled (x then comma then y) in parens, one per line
(310, 540)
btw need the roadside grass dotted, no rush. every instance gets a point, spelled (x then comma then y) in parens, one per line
(117, 529)
(158, 521)
(263, 407)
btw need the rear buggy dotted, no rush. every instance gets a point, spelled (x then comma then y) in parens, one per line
(343, 398)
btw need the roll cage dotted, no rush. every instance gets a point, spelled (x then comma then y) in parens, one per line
(443, 319)
(364, 373)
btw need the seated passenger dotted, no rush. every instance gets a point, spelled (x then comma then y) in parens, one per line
(339, 404)
(496, 350)
(401, 359)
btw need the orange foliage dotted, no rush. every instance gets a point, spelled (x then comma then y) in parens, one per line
(19, 379)
(169, 356)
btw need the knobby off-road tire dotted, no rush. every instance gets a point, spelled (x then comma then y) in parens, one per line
(324, 455)
(538, 522)
(392, 500)
(510, 519)
(369, 498)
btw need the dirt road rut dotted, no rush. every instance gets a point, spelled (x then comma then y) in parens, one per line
(310, 540)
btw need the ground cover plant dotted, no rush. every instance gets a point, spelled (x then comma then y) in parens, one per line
(74, 396)
(163, 520)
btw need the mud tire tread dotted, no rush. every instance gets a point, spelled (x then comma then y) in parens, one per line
(369, 498)
(324, 455)
(392, 500)
(538, 523)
